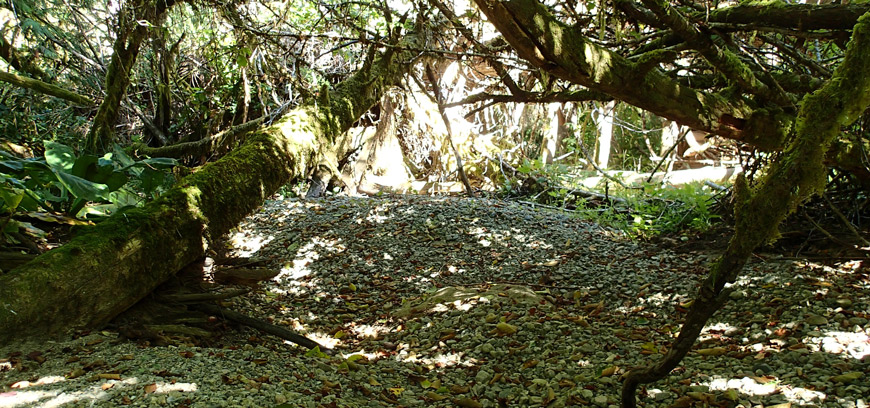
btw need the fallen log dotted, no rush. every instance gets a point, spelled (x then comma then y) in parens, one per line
(109, 267)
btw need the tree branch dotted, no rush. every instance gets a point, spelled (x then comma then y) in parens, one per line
(45, 88)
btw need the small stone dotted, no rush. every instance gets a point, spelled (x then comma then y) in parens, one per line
(815, 320)
(844, 302)
(763, 368)
(600, 400)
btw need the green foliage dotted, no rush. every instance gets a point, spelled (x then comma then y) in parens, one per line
(536, 179)
(652, 210)
(656, 210)
(61, 181)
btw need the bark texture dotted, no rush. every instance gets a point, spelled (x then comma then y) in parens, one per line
(109, 267)
(133, 19)
(799, 174)
(563, 51)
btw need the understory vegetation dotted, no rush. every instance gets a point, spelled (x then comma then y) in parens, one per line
(136, 134)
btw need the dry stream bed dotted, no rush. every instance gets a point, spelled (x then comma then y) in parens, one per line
(474, 303)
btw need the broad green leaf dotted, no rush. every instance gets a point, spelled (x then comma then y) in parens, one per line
(11, 197)
(81, 188)
(161, 162)
(121, 157)
(11, 226)
(59, 156)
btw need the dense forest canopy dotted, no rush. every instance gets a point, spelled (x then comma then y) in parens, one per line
(191, 112)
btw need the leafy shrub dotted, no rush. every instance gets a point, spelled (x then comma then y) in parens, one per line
(62, 182)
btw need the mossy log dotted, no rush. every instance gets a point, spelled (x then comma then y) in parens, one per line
(109, 267)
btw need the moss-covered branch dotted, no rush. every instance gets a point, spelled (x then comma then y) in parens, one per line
(791, 179)
(563, 51)
(804, 17)
(45, 88)
(203, 147)
(723, 59)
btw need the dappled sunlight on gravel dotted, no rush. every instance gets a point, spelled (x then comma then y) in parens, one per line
(446, 302)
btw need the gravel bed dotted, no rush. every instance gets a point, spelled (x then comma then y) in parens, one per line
(475, 303)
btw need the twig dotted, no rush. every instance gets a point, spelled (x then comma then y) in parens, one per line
(846, 222)
(439, 99)
(668, 153)
(826, 233)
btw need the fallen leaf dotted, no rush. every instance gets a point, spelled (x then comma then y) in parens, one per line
(505, 329)
(607, 372)
(459, 389)
(467, 403)
(847, 377)
(434, 396)
(715, 351)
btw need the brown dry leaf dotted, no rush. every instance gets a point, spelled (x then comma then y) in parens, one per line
(551, 395)
(75, 373)
(36, 356)
(495, 378)
(150, 388)
(683, 402)
(607, 372)
(106, 386)
(764, 379)
(434, 396)
(714, 351)
(467, 403)
(459, 389)
(95, 364)
(109, 376)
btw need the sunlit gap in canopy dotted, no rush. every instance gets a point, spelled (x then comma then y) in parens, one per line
(92, 395)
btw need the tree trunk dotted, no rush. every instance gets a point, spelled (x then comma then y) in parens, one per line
(791, 179)
(606, 112)
(131, 34)
(109, 267)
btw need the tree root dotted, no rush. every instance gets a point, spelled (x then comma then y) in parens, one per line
(260, 325)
